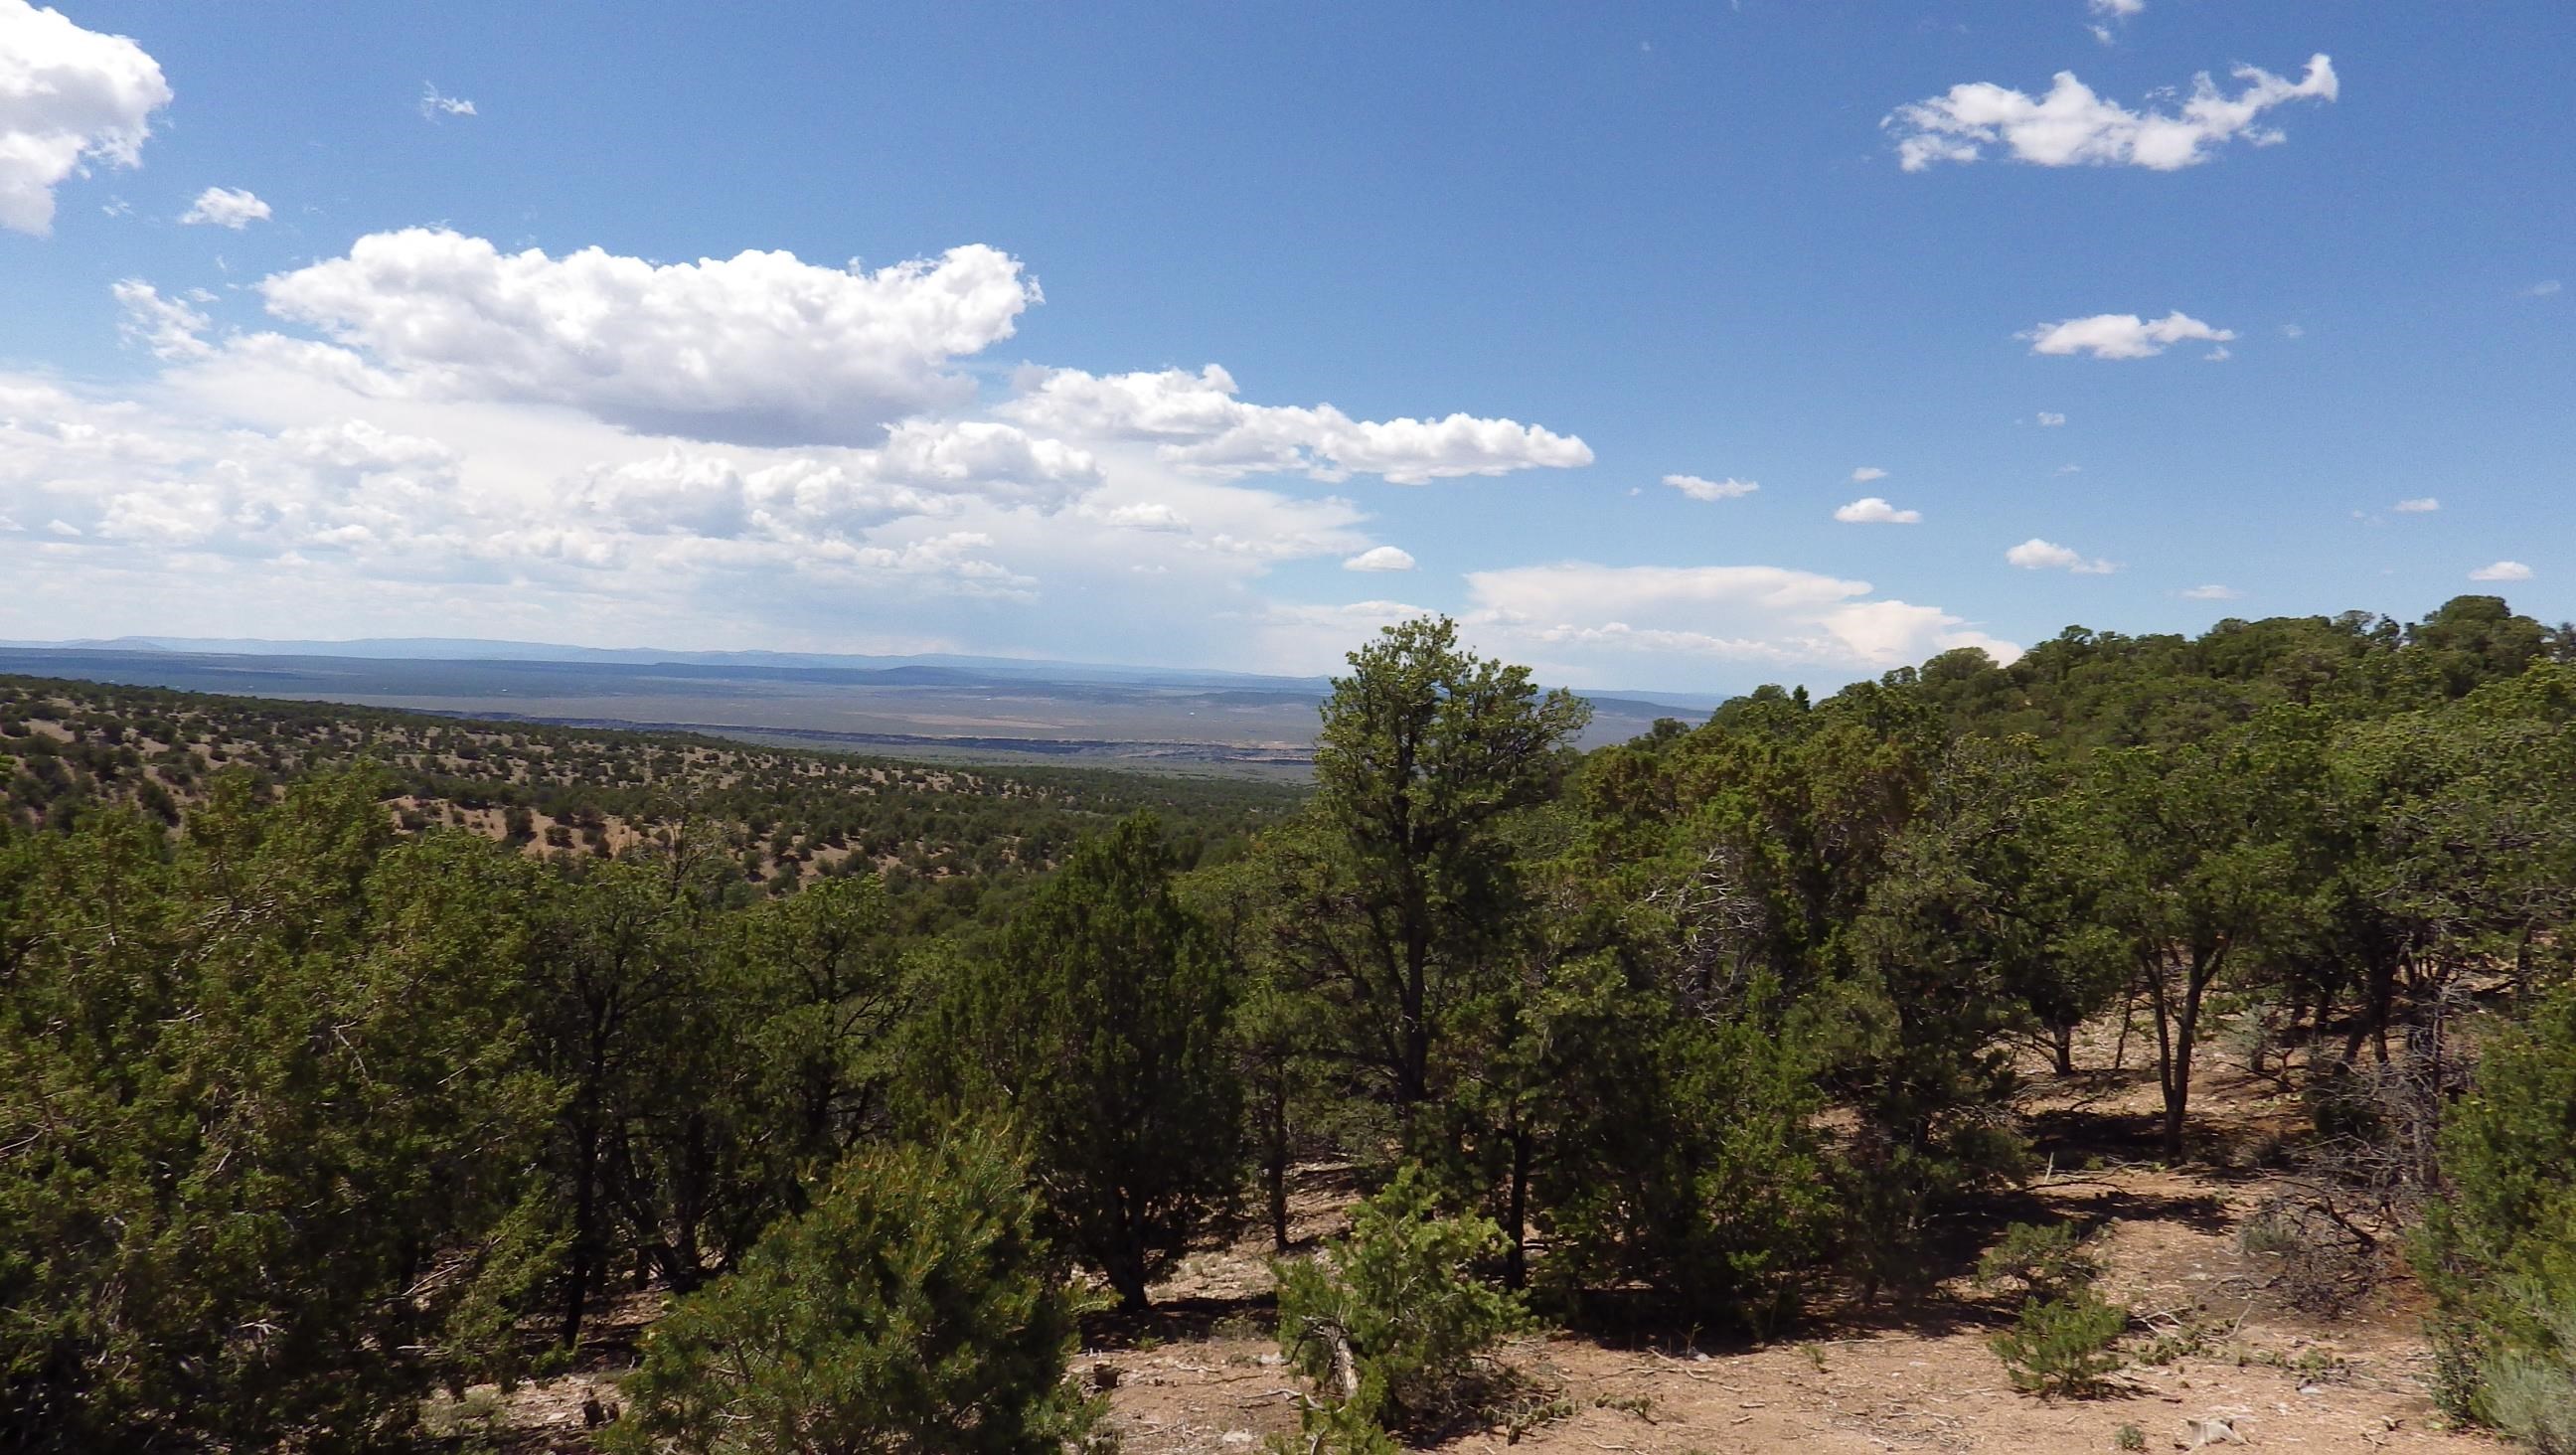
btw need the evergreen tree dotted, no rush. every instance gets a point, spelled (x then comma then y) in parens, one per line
(267, 1117)
(2499, 1247)
(910, 1309)
(1102, 1025)
(1424, 748)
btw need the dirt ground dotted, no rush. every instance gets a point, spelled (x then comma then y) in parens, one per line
(1202, 1372)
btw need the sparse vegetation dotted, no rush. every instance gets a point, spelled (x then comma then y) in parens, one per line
(2063, 1345)
(1393, 1323)
(2047, 1260)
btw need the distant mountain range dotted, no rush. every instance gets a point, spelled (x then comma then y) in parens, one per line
(475, 649)
(919, 669)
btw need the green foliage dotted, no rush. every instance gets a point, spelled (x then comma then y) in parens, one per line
(2532, 1397)
(2063, 1341)
(1423, 749)
(267, 1116)
(310, 1104)
(1697, 1170)
(954, 844)
(2063, 1345)
(1101, 1026)
(2499, 1250)
(1969, 936)
(2049, 1260)
(1392, 1321)
(911, 1308)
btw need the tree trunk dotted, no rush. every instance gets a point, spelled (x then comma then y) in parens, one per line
(2064, 1046)
(1515, 1254)
(585, 1235)
(1413, 1076)
(2174, 1046)
(1274, 1160)
(1124, 1267)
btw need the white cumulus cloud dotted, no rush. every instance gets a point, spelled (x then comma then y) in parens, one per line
(2121, 335)
(2050, 419)
(591, 447)
(1867, 473)
(67, 96)
(2071, 125)
(1380, 558)
(1196, 422)
(2502, 571)
(1602, 622)
(232, 207)
(1702, 489)
(2039, 555)
(2420, 505)
(1870, 510)
(760, 347)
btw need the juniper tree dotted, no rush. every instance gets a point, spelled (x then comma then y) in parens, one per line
(911, 1308)
(1101, 1025)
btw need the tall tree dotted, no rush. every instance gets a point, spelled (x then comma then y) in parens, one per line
(1424, 747)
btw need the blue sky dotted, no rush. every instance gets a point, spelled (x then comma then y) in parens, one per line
(510, 373)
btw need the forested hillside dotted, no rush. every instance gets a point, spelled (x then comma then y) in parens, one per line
(939, 836)
(1453, 1102)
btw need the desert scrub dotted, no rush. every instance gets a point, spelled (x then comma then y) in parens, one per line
(2064, 1345)
(1393, 1323)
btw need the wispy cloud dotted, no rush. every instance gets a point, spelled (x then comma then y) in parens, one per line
(2072, 126)
(2110, 15)
(1700, 489)
(435, 103)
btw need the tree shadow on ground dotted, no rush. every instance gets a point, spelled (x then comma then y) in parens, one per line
(1174, 1320)
(1639, 1321)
